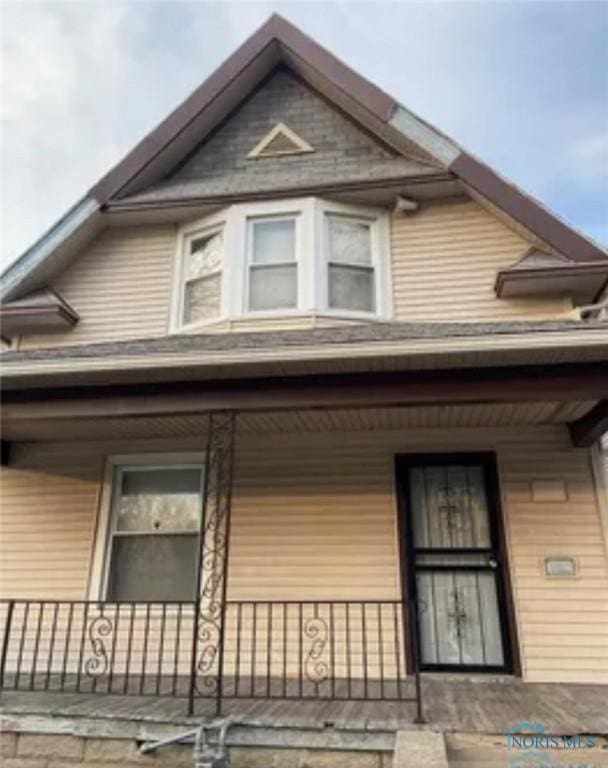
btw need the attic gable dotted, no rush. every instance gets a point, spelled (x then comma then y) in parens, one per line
(281, 140)
(179, 135)
(235, 158)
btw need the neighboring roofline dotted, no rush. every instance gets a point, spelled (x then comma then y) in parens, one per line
(278, 40)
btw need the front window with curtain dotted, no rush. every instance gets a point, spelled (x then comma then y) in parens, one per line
(203, 277)
(273, 268)
(351, 272)
(153, 538)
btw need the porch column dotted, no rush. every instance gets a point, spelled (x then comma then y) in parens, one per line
(208, 645)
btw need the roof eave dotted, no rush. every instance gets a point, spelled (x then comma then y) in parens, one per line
(582, 282)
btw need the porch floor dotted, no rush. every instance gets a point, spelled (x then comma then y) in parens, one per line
(452, 705)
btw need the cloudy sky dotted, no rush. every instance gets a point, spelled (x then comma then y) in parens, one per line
(523, 85)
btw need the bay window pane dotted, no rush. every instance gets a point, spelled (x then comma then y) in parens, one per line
(159, 500)
(273, 287)
(158, 568)
(202, 299)
(349, 241)
(351, 288)
(205, 255)
(273, 242)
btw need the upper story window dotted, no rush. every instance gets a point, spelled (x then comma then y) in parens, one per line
(351, 264)
(283, 258)
(273, 267)
(203, 277)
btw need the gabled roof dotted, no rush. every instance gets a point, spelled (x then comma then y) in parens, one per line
(279, 42)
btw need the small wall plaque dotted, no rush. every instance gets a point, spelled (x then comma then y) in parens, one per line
(549, 490)
(560, 566)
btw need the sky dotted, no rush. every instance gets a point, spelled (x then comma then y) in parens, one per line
(522, 85)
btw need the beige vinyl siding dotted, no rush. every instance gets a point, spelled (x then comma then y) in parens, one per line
(314, 516)
(444, 264)
(48, 499)
(120, 287)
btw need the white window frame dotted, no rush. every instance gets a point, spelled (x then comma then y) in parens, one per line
(251, 264)
(380, 259)
(114, 466)
(312, 257)
(218, 222)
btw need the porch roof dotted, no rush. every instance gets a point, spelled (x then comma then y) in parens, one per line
(356, 348)
(350, 334)
(32, 427)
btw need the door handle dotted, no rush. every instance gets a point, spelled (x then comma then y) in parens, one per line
(493, 563)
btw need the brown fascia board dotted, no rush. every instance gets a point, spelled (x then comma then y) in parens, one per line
(276, 32)
(35, 313)
(526, 211)
(591, 427)
(582, 281)
(22, 320)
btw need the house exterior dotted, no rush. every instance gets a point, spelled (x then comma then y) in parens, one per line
(302, 401)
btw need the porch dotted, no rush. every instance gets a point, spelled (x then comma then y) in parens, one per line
(474, 714)
(306, 614)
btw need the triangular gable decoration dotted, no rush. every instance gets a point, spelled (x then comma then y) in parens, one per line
(281, 140)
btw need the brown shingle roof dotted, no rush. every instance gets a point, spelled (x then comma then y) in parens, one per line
(371, 333)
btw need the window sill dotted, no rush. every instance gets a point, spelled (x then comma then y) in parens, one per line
(224, 324)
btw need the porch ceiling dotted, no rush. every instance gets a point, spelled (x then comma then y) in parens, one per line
(301, 420)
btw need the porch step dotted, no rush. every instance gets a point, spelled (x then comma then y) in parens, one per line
(420, 749)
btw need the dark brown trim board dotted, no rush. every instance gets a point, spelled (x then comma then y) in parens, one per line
(591, 427)
(517, 384)
(5, 453)
(525, 210)
(403, 462)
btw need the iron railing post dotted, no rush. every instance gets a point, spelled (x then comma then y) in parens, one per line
(227, 423)
(193, 655)
(5, 641)
(415, 635)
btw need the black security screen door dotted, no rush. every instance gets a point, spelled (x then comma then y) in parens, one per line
(454, 565)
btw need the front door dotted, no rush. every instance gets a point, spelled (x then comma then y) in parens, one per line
(454, 562)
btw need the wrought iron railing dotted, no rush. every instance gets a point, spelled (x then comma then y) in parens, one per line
(319, 649)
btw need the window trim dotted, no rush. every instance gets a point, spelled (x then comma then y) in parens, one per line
(185, 280)
(311, 259)
(185, 235)
(100, 560)
(380, 259)
(251, 265)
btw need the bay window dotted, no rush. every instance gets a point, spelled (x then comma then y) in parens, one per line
(351, 277)
(292, 257)
(203, 277)
(273, 269)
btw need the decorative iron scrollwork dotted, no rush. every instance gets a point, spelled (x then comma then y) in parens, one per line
(316, 670)
(458, 615)
(215, 533)
(450, 508)
(99, 629)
